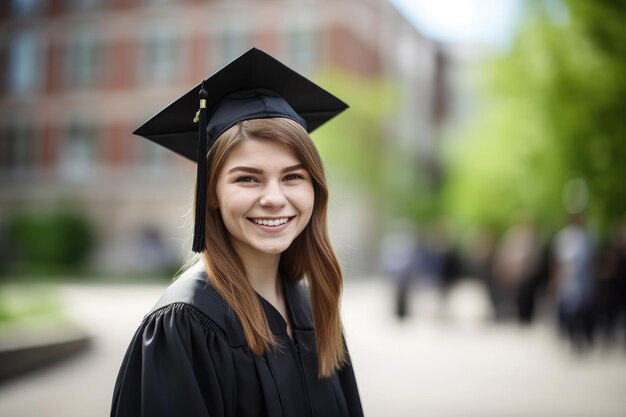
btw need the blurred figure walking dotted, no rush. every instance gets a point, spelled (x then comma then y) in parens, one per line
(611, 285)
(516, 272)
(573, 281)
(398, 261)
(440, 259)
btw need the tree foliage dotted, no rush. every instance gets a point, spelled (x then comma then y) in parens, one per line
(352, 146)
(552, 108)
(57, 240)
(362, 149)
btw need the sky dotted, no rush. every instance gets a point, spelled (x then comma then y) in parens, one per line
(488, 22)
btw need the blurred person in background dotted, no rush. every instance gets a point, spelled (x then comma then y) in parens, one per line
(398, 259)
(516, 271)
(237, 334)
(573, 283)
(443, 262)
(477, 257)
(153, 250)
(620, 245)
(611, 285)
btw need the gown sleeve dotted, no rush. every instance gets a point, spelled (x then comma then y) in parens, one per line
(349, 387)
(178, 364)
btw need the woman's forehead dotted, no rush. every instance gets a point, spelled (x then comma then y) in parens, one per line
(259, 153)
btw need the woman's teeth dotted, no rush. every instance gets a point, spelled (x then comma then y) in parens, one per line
(271, 223)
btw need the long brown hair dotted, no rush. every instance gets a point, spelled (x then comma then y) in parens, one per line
(310, 255)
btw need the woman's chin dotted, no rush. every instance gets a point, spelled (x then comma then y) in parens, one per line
(273, 250)
(263, 246)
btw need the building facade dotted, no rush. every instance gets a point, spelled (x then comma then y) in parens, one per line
(78, 76)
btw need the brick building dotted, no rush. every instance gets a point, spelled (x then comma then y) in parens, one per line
(77, 76)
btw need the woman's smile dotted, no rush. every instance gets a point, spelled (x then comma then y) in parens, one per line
(271, 224)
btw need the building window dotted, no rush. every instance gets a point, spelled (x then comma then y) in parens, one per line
(151, 156)
(18, 149)
(302, 50)
(160, 58)
(24, 8)
(82, 4)
(84, 60)
(78, 153)
(25, 64)
(233, 44)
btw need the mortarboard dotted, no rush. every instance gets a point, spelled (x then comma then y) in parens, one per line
(253, 86)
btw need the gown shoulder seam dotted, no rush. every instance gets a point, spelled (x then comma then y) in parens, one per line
(207, 324)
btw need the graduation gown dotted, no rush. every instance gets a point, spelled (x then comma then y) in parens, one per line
(189, 357)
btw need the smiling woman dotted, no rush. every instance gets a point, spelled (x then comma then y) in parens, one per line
(238, 334)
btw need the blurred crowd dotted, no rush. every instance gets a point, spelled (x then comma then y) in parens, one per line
(579, 281)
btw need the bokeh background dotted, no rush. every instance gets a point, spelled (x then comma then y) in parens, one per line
(478, 192)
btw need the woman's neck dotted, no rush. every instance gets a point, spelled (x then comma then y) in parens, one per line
(262, 273)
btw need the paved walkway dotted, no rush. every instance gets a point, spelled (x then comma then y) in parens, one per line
(426, 366)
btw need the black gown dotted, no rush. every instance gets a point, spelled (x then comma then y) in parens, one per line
(189, 358)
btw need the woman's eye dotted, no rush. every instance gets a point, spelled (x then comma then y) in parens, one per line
(292, 177)
(246, 179)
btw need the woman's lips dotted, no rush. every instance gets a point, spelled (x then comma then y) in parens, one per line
(271, 224)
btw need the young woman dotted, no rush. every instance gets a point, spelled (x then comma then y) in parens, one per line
(239, 333)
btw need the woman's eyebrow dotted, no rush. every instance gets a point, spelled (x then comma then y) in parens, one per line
(246, 169)
(292, 168)
(260, 171)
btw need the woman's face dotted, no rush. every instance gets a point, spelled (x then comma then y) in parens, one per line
(265, 197)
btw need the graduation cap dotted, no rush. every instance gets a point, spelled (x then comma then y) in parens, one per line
(253, 86)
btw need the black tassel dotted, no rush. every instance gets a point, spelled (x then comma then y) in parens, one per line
(199, 233)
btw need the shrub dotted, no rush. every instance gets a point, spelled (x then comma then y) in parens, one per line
(58, 239)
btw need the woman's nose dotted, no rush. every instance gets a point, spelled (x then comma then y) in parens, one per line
(273, 196)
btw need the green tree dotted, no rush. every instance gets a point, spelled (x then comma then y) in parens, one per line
(552, 108)
(359, 147)
(352, 145)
